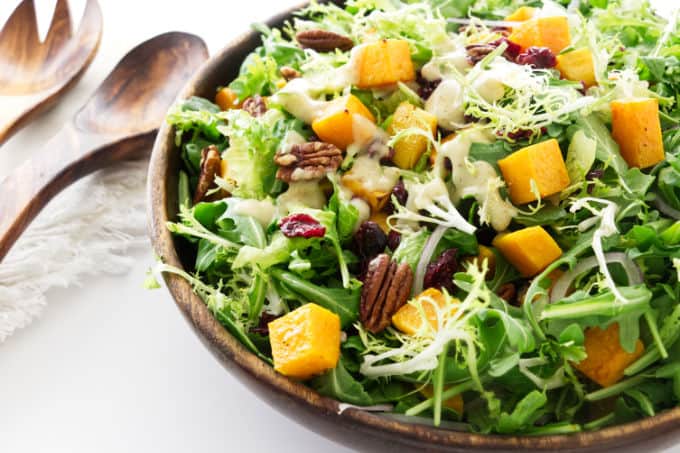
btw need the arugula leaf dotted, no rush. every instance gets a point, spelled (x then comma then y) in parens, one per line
(339, 384)
(607, 150)
(525, 413)
(342, 301)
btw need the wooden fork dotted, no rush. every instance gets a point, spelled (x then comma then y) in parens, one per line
(35, 74)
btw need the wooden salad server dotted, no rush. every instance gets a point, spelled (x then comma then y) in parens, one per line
(118, 123)
(35, 74)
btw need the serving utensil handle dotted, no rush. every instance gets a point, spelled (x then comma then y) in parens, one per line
(67, 157)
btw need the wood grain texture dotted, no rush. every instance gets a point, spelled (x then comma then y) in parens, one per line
(363, 431)
(118, 123)
(34, 74)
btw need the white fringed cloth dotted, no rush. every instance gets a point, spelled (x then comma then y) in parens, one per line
(89, 229)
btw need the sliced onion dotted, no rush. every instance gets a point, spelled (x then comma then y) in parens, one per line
(426, 256)
(665, 208)
(342, 407)
(561, 286)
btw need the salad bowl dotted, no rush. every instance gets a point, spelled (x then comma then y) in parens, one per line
(343, 423)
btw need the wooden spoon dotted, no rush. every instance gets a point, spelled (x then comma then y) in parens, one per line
(119, 122)
(35, 74)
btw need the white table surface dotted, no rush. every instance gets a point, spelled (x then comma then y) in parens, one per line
(111, 367)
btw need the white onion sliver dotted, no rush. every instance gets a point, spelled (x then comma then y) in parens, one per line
(426, 256)
(559, 290)
(665, 208)
(342, 407)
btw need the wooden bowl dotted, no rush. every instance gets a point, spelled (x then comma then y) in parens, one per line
(354, 428)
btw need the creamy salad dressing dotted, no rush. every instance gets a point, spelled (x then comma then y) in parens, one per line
(446, 103)
(302, 194)
(264, 211)
(373, 176)
(477, 179)
(440, 67)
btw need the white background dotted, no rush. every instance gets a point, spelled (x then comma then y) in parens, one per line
(111, 367)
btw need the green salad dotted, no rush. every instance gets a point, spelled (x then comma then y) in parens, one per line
(454, 212)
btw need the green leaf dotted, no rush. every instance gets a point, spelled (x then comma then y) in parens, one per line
(339, 384)
(580, 156)
(525, 413)
(490, 152)
(607, 150)
(344, 302)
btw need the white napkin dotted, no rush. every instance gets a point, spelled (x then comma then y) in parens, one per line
(88, 230)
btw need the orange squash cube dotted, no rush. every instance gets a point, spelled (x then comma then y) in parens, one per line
(305, 342)
(380, 217)
(383, 63)
(408, 318)
(409, 149)
(530, 249)
(606, 359)
(538, 167)
(637, 129)
(521, 14)
(337, 124)
(456, 403)
(577, 65)
(550, 32)
(227, 99)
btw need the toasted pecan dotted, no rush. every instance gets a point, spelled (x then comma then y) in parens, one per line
(210, 167)
(387, 286)
(323, 40)
(307, 161)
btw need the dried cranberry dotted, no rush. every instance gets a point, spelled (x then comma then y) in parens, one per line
(513, 49)
(426, 87)
(263, 326)
(393, 240)
(537, 57)
(369, 240)
(439, 274)
(592, 175)
(301, 225)
(400, 193)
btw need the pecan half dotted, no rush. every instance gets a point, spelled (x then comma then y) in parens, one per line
(323, 41)
(307, 161)
(210, 166)
(386, 289)
(289, 73)
(255, 105)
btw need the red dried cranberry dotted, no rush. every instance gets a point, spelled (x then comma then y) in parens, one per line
(513, 49)
(537, 57)
(369, 240)
(592, 175)
(393, 240)
(400, 193)
(426, 87)
(439, 274)
(301, 225)
(262, 327)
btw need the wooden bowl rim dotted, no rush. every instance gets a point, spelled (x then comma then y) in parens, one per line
(231, 351)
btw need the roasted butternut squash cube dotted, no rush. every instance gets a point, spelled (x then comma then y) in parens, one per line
(637, 129)
(456, 403)
(408, 318)
(530, 250)
(340, 123)
(383, 63)
(380, 217)
(550, 32)
(577, 65)
(534, 169)
(227, 99)
(368, 180)
(606, 359)
(409, 149)
(305, 342)
(521, 14)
